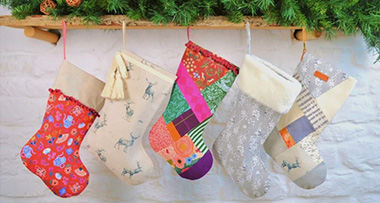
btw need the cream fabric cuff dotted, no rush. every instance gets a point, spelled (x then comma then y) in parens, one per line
(268, 84)
(73, 81)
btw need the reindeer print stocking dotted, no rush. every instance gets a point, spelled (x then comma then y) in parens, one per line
(203, 80)
(53, 152)
(116, 139)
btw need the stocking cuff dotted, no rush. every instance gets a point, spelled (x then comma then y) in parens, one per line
(80, 85)
(58, 91)
(267, 84)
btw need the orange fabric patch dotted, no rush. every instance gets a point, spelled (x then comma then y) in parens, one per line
(321, 76)
(288, 140)
(173, 131)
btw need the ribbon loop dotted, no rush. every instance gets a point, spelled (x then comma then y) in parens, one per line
(64, 38)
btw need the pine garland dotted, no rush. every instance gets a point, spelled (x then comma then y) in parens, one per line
(349, 16)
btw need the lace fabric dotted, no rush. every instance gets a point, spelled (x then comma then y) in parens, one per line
(239, 145)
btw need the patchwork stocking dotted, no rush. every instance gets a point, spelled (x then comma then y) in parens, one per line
(293, 142)
(203, 80)
(116, 138)
(53, 152)
(265, 92)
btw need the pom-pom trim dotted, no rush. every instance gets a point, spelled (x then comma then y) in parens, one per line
(191, 45)
(93, 111)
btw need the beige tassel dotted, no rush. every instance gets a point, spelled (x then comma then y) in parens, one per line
(114, 88)
(122, 67)
(107, 90)
(118, 89)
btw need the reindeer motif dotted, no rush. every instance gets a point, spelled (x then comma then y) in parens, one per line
(126, 143)
(129, 68)
(148, 91)
(128, 111)
(100, 124)
(132, 172)
(290, 165)
(100, 155)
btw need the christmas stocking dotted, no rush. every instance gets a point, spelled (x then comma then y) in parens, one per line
(293, 142)
(203, 80)
(53, 152)
(117, 137)
(265, 92)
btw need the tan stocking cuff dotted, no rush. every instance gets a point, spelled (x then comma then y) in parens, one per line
(74, 82)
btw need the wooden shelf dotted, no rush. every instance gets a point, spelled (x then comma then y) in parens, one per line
(33, 25)
(115, 21)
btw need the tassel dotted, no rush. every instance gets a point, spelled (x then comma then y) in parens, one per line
(107, 90)
(121, 66)
(118, 89)
(114, 88)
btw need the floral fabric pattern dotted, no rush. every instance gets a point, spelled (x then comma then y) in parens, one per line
(53, 152)
(203, 70)
(239, 145)
(159, 137)
(177, 105)
(188, 110)
(215, 93)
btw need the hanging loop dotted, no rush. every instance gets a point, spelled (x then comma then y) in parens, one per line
(248, 29)
(303, 42)
(188, 33)
(124, 31)
(64, 38)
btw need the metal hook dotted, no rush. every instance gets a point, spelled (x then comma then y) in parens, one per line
(304, 42)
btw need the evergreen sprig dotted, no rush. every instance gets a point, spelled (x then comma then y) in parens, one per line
(349, 16)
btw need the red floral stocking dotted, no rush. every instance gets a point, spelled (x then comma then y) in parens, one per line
(53, 152)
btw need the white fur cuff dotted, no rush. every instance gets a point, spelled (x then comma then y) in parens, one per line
(267, 84)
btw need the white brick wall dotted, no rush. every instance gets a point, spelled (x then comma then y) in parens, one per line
(350, 145)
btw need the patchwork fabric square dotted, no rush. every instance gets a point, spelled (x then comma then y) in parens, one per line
(185, 122)
(288, 140)
(300, 128)
(310, 107)
(192, 94)
(311, 76)
(196, 135)
(215, 93)
(159, 137)
(177, 105)
(173, 132)
(203, 70)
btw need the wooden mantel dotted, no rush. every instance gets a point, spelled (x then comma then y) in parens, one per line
(33, 25)
(115, 21)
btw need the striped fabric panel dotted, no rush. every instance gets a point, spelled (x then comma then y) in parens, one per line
(310, 107)
(196, 135)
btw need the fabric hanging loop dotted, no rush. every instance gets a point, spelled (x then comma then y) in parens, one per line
(188, 33)
(64, 38)
(114, 88)
(248, 29)
(124, 41)
(303, 42)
